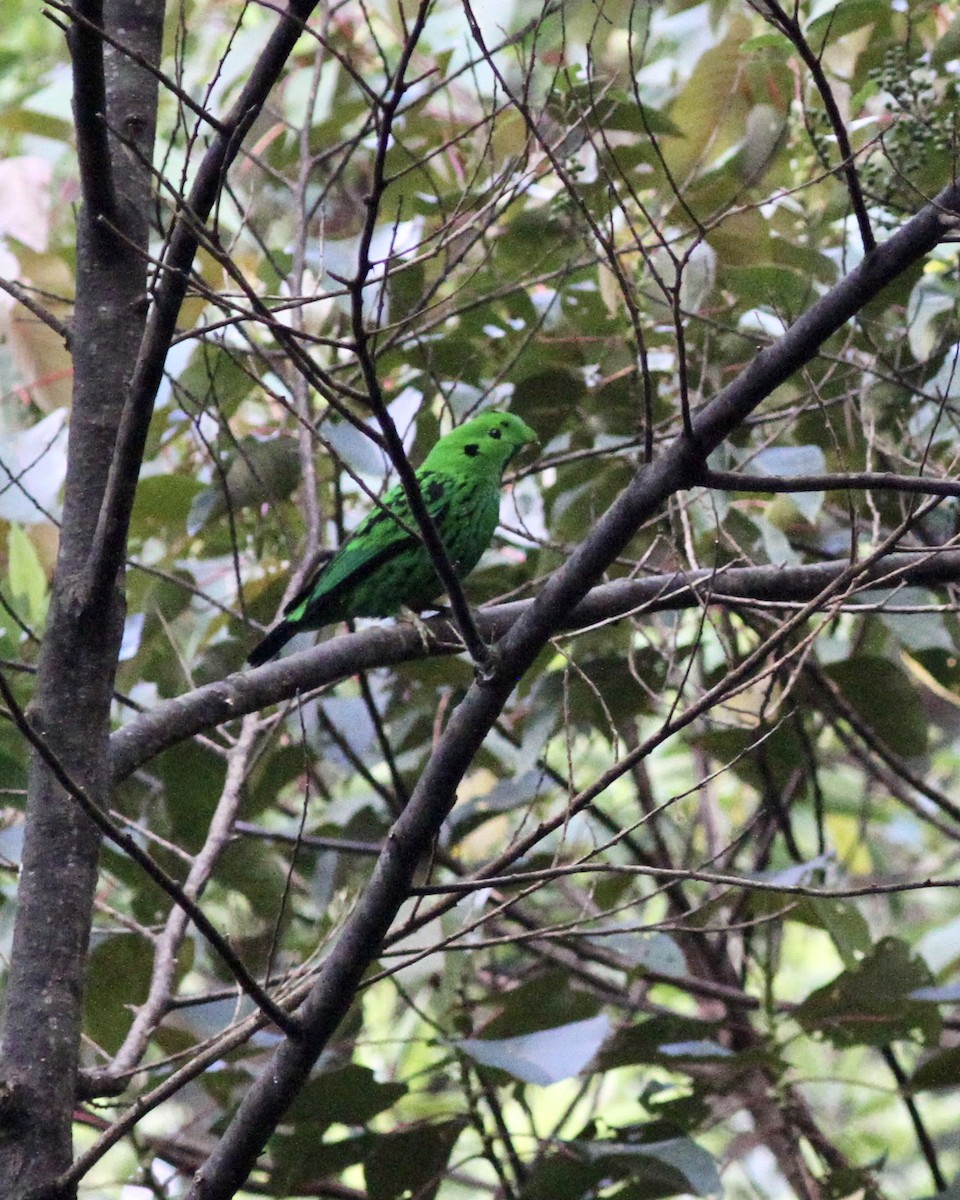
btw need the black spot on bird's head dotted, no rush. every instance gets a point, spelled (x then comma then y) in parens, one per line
(471, 449)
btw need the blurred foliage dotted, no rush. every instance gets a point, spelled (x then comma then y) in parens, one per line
(605, 231)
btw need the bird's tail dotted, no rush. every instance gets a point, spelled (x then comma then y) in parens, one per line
(275, 640)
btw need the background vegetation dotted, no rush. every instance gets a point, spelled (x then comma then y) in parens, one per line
(666, 903)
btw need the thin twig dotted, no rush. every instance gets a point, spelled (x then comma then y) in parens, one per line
(128, 845)
(737, 481)
(790, 27)
(22, 296)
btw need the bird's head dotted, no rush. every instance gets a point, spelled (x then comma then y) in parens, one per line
(487, 442)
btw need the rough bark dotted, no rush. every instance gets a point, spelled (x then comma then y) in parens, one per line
(71, 706)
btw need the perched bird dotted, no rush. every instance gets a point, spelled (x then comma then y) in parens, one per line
(385, 566)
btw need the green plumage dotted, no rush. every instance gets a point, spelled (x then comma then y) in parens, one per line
(385, 566)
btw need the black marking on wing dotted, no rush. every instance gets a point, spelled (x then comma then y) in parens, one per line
(434, 491)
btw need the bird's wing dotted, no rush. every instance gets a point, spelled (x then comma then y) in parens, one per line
(376, 540)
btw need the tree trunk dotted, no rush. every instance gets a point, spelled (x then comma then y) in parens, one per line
(71, 708)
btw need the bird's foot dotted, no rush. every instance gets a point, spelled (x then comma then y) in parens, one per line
(427, 639)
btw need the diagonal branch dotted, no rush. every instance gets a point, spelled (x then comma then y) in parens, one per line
(429, 534)
(168, 942)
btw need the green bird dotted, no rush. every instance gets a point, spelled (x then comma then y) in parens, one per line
(385, 566)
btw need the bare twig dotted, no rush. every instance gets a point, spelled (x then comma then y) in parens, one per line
(129, 846)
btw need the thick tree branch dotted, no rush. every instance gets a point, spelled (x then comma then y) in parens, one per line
(172, 721)
(90, 113)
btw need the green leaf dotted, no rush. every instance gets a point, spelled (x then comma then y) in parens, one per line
(505, 796)
(843, 18)
(652, 1170)
(543, 398)
(163, 505)
(350, 1095)
(655, 1041)
(940, 1070)
(543, 1002)
(37, 124)
(773, 760)
(413, 1161)
(683, 1156)
(886, 700)
(656, 952)
(28, 582)
(918, 634)
(927, 316)
(216, 377)
(609, 108)
(301, 1158)
(192, 776)
(845, 924)
(778, 289)
(119, 974)
(259, 472)
(870, 1004)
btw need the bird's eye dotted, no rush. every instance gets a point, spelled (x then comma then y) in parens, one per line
(495, 433)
